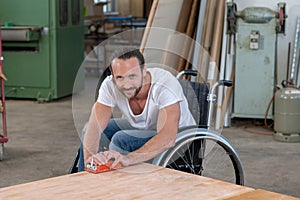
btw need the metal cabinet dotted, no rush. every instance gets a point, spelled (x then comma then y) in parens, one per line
(42, 47)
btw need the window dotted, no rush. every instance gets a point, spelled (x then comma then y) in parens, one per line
(75, 12)
(63, 12)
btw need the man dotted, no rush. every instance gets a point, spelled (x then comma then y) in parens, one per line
(153, 106)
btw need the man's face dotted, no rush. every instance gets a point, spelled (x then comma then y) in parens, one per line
(127, 76)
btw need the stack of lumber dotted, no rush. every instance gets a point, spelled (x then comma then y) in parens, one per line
(191, 34)
(171, 34)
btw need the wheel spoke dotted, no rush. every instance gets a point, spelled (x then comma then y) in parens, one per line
(205, 156)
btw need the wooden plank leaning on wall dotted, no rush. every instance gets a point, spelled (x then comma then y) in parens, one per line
(160, 27)
(206, 40)
(181, 45)
(190, 32)
(216, 43)
(149, 24)
(187, 23)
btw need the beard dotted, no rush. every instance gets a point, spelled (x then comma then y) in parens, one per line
(131, 92)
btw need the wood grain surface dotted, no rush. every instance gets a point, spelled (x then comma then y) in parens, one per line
(261, 194)
(143, 181)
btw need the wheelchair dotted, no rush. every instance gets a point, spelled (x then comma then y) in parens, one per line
(198, 149)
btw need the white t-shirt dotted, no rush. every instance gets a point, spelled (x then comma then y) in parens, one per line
(165, 90)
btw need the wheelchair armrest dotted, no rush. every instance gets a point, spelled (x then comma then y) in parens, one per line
(226, 83)
(187, 72)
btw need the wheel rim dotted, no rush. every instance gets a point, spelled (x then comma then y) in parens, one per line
(206, 156)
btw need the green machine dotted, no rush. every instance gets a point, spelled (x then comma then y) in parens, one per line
(42, 47)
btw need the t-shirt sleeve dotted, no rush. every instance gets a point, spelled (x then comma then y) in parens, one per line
(106, 94)
(169, 94)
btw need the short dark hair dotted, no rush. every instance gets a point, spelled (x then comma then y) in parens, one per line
(127, 53)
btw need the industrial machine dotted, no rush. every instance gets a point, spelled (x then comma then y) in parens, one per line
(42, 47)
(256, 29)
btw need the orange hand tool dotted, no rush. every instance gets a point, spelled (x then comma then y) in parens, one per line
(96, 168)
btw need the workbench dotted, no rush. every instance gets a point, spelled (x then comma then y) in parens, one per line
(143, 181)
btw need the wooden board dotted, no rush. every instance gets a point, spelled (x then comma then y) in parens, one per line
(123, 7)
(149, 25)
(261, 194)
(92, 9)
(190, 30)
(216, 42)
(136, 8)
(142, 181)
(209, 23)
(184, 16)
(206, 39)
(171, 57)
(163, 24)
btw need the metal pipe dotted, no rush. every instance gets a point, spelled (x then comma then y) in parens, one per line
(295, 60)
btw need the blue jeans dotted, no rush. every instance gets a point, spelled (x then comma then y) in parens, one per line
(120, 136)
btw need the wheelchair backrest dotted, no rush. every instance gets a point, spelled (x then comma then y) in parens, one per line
(196, 94)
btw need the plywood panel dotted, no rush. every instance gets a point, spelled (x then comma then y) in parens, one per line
(209, 21)
(142, 181)
(163, 25)
(92, 9)
(204, 54)
(149, 25)
(123, 7)
(184, 16)
(190, 30)
(261, 194)
(137, 8)
(216, 43)
(175, 46)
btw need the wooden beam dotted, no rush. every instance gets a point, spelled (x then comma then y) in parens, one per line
(216, 43)
(149, 24)
(204, 52)
(197, 49)
(209, 24)
(171, 57)
(184, 16)
(164, 23)
(218, 30)
(191, 52)
(191, 27)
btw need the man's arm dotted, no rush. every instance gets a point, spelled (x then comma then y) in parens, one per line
(98, 121)
(167, 127)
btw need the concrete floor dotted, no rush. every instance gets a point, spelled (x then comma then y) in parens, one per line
(43, 139)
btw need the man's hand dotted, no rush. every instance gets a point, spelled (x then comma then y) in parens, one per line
(103, 158)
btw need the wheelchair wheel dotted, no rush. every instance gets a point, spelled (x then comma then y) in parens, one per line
(205, 154)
